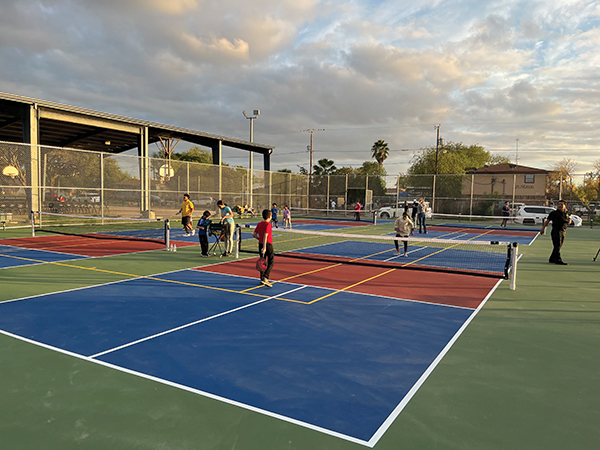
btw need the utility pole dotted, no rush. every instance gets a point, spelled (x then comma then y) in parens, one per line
(310, 148)
(437, 148)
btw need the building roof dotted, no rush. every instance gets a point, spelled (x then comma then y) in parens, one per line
(70, 126)
(507, 168)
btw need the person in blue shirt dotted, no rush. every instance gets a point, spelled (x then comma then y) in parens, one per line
(202, 226)
(274, 215)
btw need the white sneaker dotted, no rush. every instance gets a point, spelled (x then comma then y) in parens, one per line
(193, 232)
(266, 282)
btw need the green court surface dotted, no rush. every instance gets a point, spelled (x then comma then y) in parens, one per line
(524, 375)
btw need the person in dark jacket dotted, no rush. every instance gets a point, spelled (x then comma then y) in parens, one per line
(560, 221)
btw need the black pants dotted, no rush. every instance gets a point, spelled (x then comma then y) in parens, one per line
(203, 243)
(270, 255)
(558, 237)
(405, 244)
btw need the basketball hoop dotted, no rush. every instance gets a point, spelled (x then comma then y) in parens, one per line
(10, 171)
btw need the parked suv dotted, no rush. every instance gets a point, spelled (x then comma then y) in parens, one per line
(87, 197)
(535, 215)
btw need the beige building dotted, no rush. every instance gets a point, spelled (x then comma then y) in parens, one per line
(525, 184)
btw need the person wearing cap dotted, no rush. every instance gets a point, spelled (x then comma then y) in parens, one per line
(560, 221)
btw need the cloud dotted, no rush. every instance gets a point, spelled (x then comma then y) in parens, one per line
(489, 72)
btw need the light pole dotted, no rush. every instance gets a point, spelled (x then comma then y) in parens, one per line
(255, 115)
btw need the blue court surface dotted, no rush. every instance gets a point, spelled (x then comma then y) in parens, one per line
(18, 256)
(345, 365)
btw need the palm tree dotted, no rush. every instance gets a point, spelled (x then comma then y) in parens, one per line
(380, 152)
(325, 167)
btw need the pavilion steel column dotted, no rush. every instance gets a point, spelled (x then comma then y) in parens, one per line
(31, 136)
(144, 171)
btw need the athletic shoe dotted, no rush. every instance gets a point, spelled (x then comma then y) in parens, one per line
(187, 235)
(405, 255)
(397, 250)
(266, 282)
(193, 232)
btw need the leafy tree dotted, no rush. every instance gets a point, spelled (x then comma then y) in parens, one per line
(561, 179)
(194, 154)
(380, 151)
(453, 158)
(284, 171)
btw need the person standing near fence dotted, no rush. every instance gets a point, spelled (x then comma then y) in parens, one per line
(560, 221)
(186, 211)
(421, 216)
(274, 212)
(287, 217)
(505, 214)
(264, 233)
(228, 226)
(415, 207)
(357, 209)
(333, 205)
(404, 227)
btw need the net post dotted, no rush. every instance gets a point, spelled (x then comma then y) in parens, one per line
(374, 217)
(32, 217)
(167, 234)
(237, 239)
(513, 264)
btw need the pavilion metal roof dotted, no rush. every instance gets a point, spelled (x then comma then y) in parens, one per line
(63, 125)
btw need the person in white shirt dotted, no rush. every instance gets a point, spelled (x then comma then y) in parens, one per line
(404, 227)
(333, 204)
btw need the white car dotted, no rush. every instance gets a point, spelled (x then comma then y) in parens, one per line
(388, 212)
(536, 215)
(87, 197)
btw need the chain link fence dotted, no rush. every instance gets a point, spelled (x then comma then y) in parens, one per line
(90, 183)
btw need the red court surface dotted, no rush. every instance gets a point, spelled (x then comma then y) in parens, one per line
(85, 246)
(432, 287)
(482, 231)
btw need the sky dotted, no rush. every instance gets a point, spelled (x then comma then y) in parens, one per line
(519, 78)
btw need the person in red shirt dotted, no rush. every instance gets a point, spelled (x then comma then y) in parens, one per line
(357, 209)
(264, 233)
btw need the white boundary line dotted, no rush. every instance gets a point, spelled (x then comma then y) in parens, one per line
(388, 422)
(189, 389)
(172, 330)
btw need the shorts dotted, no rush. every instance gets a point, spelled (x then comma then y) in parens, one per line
(186, 220)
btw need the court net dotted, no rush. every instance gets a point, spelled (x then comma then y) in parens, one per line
(475, 256)
(461, 220)
(111, 228)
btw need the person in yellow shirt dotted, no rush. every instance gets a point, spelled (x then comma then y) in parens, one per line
(187, 210)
